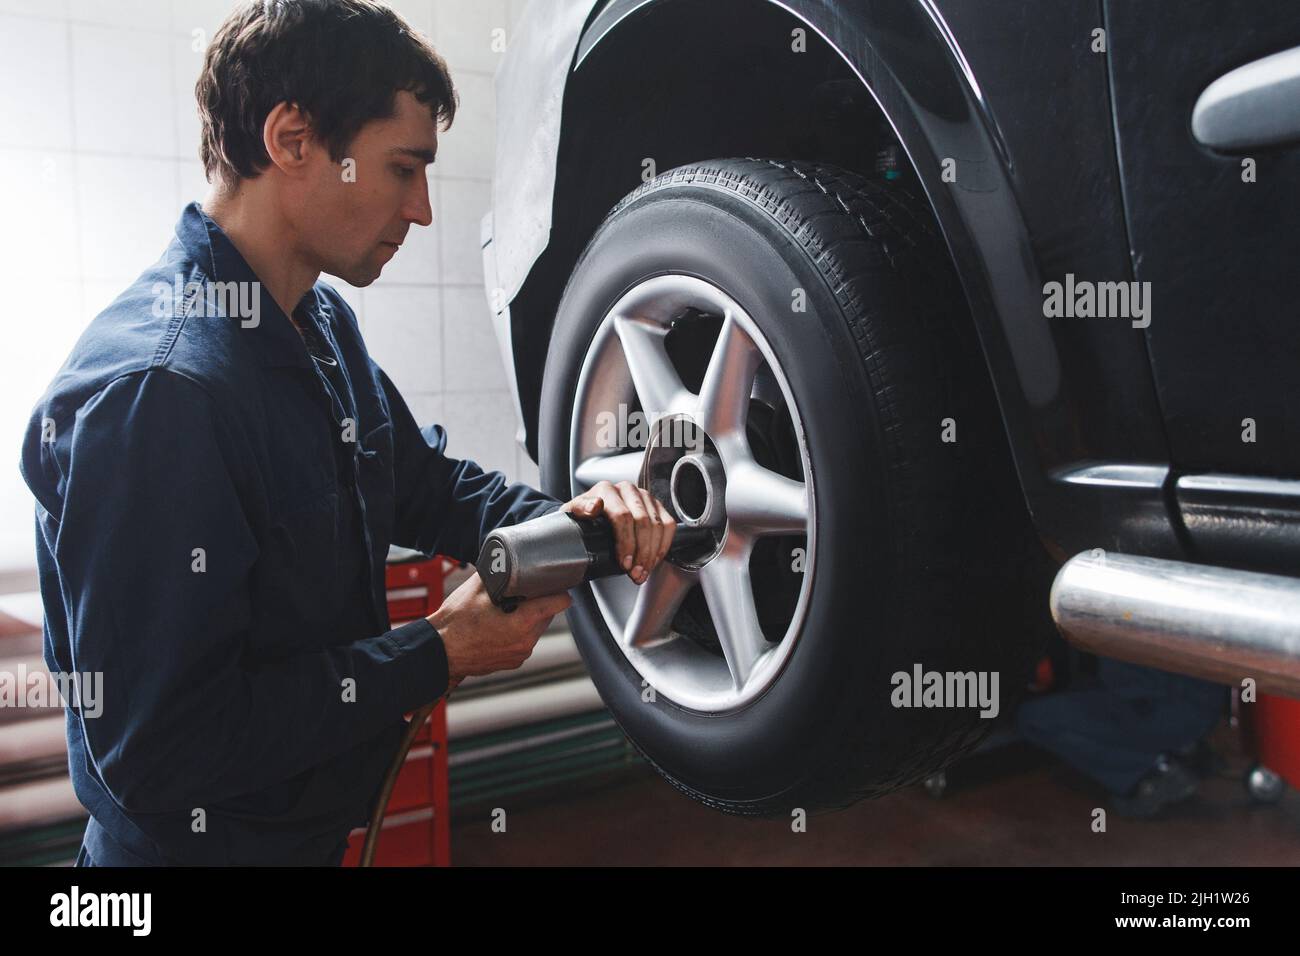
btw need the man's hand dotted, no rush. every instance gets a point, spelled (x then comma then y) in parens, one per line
(643, 528)
(480, 638)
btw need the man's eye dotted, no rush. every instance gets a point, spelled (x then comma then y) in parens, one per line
(405, 171)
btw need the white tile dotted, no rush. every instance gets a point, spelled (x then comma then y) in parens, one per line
(462, 203)
(147, 14)
(481, 427)
(426, 407)
(38, 231)
(54, 9)
(471, 34)
(42, 321)
(466, 148)
(417, 260)
(417, 13)
(186, 66)
(471, 356)
(194, 23)
(516, 11)
(191, 185)
(128, 213)
(35, 83)
(122, 92)
(17, 509)
(404, 336)
(202, 15)
(527, 471)
(51, 320)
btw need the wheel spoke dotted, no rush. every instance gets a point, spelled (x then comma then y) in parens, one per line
(724, 394)
(760, 501)
(656, 381)
(730, 596)
(657, 600)
(631, 364)
(611, 468)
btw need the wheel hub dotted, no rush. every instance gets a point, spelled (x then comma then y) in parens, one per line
(682, 468)
(698, 486)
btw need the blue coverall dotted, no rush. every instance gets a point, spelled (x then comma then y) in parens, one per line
(214, 507)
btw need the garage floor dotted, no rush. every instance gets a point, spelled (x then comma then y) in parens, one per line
(1010, 807)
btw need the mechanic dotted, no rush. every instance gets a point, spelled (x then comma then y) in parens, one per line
(217, 489)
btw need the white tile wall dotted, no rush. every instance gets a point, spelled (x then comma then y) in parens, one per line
(517, 10)
(99, 153)
(186, 62)
(205, 15)
(56, 9)
(425, 407)
(191, 184)
(147, 14)
(416, 263)
(35, 56)
(471, 357)
(471, 34)
(46, 343)
(37, 335)
(418, 13)
(126, 213)
(35, 247)
(481, 428)
(462, 203)
(467, 148)
(122, 91)
(404, 334)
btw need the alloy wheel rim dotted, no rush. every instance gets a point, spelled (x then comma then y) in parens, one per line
(628, 368)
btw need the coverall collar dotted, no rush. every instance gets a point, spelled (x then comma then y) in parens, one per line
(207, 246)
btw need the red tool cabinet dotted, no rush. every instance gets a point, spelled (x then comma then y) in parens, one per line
(416, 830)
(1275, 733)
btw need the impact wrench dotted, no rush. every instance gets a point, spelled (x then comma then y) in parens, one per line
(531, 559)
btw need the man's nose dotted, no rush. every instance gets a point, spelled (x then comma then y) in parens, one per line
(417, 209)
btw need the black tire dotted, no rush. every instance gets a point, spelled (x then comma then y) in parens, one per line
(922, 545)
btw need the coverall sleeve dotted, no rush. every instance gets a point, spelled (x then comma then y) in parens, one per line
(445, 505)
(156, 549)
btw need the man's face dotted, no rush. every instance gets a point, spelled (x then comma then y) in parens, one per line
(352, 217)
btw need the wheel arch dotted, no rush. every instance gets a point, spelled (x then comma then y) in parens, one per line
(875, 78)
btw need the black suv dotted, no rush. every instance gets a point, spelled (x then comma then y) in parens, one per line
(949, 298)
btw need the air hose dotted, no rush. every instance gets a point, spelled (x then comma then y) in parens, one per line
(386, 791)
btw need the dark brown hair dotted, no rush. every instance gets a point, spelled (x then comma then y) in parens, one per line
(341, 61)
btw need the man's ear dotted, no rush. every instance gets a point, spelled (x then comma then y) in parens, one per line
(287, 136)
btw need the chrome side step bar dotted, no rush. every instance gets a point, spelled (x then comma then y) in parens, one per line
(1209, 622)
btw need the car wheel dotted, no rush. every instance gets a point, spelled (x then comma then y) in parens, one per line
(782, 352)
